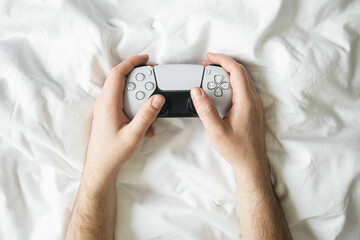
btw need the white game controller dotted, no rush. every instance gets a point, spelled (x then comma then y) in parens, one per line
(174, 82)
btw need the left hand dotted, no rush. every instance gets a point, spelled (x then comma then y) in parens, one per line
(114, 138)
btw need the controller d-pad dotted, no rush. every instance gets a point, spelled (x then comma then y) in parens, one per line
(218, 92)
(218, 79)
(211, 85)
(224, 85)
(140, 95)
(218, 85)
(130, 86)
(140, 77)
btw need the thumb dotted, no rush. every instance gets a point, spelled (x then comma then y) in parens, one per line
(146, 115)
(206, 109)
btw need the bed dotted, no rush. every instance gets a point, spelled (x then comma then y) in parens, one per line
(304, 59)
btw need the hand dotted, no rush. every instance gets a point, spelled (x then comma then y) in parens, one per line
(239, 136)
(114, 138)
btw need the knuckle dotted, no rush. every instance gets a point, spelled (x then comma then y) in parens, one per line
(241, 69)
(114, 70)
(118, 70)
(241, 66)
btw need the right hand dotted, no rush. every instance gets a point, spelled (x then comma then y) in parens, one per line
(238, 137)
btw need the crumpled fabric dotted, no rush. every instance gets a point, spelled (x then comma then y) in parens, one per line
(302, 55)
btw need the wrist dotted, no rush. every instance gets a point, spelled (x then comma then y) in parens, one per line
(253, 180)
(98, 177)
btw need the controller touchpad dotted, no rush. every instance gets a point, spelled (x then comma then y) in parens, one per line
(178, 77)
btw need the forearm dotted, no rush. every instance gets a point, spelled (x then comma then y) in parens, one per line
(260, 212)
(93, 214)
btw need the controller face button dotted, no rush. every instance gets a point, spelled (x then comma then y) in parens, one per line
(140, 76)
(218, 79)
(224, 85)
(140, 95)
(218, 92)
(149, 86)
(211, 85)
(208, 71)
(131, 86)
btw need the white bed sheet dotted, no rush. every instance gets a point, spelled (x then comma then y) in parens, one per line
(303, 56)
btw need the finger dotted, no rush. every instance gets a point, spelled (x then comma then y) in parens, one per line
(251, 82)
(205, 63)
(114, 84)
(238, 76)
(226, 62)
(150, 132)
(151, 64)
(146, 115)
(206, 110)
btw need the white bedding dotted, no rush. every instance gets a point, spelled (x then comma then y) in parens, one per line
(303, 56)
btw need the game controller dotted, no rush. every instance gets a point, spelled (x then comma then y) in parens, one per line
(174, 82)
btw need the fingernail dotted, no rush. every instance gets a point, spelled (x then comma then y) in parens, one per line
(196, 93)
(158, 102)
